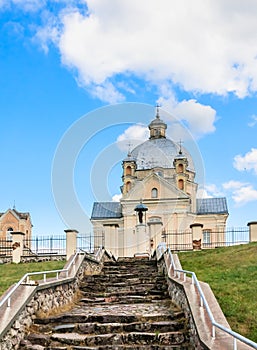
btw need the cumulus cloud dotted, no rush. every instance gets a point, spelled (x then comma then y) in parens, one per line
(203, 46)
(198, 118)
(242, 192)
(209, 191)
(132, 136)
(246, 162)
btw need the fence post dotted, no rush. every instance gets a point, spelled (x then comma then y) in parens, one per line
(17, 246)
(252, 231)
(71, 242)
(197, 235)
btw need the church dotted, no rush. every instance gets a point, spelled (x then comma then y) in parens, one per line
(159, 199)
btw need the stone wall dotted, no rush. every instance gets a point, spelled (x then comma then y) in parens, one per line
(47, 298)
(179, 297)
(33, 258)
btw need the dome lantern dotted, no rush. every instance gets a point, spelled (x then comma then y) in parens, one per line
(157, 126)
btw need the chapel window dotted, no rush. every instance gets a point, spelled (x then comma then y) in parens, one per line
(180, 168)
(154, 193)
(128, 186)
(128, 170)
(181, 184)
(8, 234)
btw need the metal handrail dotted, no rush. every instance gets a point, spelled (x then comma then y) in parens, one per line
(25, 278)
(203, 302)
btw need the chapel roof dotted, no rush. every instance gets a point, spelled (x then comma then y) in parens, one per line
(106, 210)
(206, 206)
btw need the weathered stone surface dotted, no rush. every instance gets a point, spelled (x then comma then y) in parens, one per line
(126, 306)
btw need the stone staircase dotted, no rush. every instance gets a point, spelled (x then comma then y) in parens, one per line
(125, 307)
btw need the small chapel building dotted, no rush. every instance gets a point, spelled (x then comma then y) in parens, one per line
(14, 221)
(159, 197)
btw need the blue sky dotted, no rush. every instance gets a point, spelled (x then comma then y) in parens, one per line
(66, 64)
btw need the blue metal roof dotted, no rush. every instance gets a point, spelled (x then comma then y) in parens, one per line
(106, 210)
(211, 206)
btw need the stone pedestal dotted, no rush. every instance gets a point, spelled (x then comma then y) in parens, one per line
(142, 239)
(252, 231)
(17, 246)
(71, 242)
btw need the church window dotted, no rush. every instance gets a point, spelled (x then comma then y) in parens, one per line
(128, 170)
(8, 234)
(128, 186)
(181, 184)
(154, 193)
(180, 168)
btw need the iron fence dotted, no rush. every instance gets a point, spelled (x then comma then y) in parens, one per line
(45, 245)
(89, 242)
(5, 247)
(183, 240)
(176, 241)
(56, 245)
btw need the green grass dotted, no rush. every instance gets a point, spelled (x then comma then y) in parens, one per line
(232, 274)
(12, 273)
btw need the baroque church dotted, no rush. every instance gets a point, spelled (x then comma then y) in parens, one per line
(158, 199)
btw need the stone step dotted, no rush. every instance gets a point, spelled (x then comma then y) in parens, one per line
(127, 277)
(131, 347)
(131, 338)
(123, 299)
(120, 293)
(107, 318)
(101, 328)
(122, 286)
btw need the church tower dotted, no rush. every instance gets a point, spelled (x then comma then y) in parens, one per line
(181, 163)
(157, 127)
(128, 176)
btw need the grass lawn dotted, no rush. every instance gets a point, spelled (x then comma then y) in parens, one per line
(12, 273)
(232, 274)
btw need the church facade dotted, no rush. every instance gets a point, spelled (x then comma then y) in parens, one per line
(159, 196)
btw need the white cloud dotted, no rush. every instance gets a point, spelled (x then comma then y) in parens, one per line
(242, 192)
(132, 136)
(202, 193)
(253, 121)
(197, 117)
(246, 162)
(203, 46)
(244, 195)
(209, 191)
(107, 93)
(116, 197)
(233, 185)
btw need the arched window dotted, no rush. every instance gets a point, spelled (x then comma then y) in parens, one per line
(180, 168)
(154, 193)
(181, 184)
(128, 186)
(128, 170)
(8, 234)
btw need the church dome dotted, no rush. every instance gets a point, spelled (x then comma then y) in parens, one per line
(159, 152)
